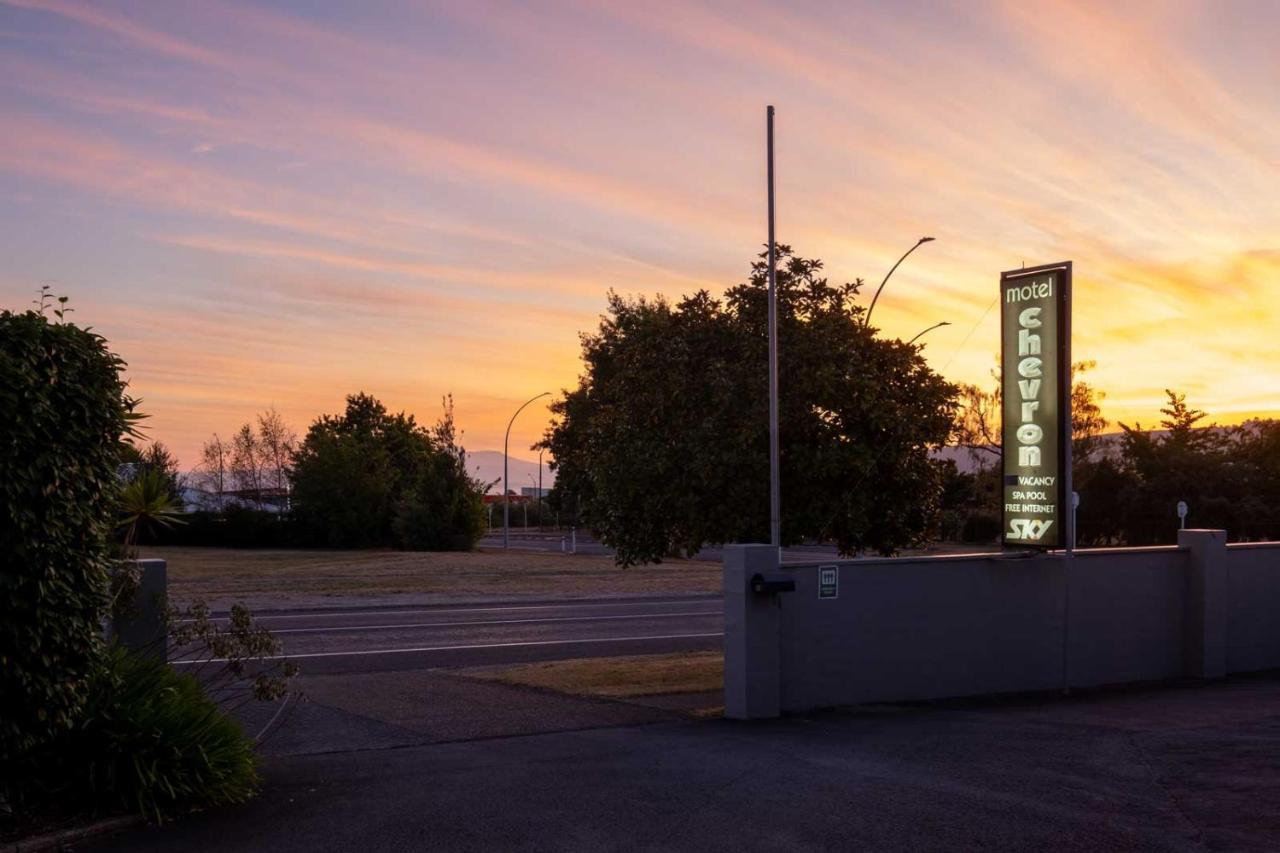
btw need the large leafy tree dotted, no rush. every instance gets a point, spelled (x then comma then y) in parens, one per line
(1256, 469)
(1182, 461)
(664, 443)
(368, 478)
(1229, 476)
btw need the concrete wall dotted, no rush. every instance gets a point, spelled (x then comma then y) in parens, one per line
(916, 629)
(1127, 615)
(1253, 611)
(925, 628)
(143, 628)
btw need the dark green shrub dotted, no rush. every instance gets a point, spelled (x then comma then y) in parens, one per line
(234, 527)
(981, 527)
(150, 740)
(442, 511)
(63, 410)
(245, 527)
(368, 478)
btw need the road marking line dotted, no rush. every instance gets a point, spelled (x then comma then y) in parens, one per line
(452, 648)
(446, 609)
(335, 628)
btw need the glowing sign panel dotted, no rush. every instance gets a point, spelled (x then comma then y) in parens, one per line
(1035, 323)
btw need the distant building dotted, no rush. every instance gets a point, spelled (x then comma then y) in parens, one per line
(533, 492)
(515, 499)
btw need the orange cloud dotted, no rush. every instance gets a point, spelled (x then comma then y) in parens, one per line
(438, 201)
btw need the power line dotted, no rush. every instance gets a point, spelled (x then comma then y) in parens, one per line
(971, 331)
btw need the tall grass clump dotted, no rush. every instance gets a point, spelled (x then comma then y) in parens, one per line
(151, 740)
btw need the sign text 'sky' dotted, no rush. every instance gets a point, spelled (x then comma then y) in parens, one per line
(1035, 323)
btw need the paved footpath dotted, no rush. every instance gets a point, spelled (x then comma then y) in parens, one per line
(1176, 768)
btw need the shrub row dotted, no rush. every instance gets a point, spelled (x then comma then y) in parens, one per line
(234, 527)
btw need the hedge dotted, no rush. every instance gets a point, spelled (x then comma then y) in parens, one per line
(63, 410)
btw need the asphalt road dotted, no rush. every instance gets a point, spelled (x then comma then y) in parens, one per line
(380, 639)
(1161, 769)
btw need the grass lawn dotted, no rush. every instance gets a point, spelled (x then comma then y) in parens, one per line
(275, 577)
(618, 677)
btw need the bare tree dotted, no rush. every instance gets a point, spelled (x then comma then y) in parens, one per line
(277, 443)
(1087, 422)
(977, 425)
(257, 460)
(247, 463)
(978, 417)
(214, 463)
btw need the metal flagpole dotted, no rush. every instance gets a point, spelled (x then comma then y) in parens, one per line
(775, 499)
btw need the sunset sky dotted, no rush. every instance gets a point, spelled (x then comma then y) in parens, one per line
(284, 203)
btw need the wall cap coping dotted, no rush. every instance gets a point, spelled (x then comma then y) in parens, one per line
(984, 556)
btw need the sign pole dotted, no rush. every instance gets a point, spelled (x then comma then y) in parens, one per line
(775, 499)
(1064, 417)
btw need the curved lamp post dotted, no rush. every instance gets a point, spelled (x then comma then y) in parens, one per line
(927, 331)
(867, 319)
(506, 492)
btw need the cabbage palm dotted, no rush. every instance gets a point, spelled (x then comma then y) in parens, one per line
(146, 504)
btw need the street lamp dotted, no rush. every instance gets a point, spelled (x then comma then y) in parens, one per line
(867, 319)
(506, 492)
(927, 331)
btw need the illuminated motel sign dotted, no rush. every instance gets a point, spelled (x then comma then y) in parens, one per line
(1035, 364)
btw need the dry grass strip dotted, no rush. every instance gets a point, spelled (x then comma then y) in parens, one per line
(226, 573)
(618, 677)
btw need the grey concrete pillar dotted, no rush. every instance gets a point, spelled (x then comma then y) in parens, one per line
(144, 629)
(752, 674)
(1206, 613)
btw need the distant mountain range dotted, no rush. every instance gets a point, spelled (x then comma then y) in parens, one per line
(1109, 445)
(486, 466)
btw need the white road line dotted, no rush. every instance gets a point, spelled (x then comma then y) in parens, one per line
(332, 629)
(455, 648)
(446, 609)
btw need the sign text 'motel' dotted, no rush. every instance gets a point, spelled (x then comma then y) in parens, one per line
(1035, 332)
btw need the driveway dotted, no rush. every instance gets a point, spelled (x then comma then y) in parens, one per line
(1173, 768)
